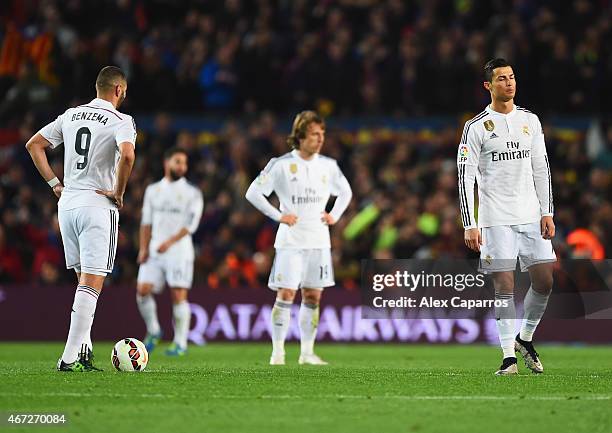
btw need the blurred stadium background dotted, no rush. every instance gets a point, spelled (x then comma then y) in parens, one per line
(222, 79)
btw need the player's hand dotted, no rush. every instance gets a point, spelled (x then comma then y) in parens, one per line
(164, 247)
(57, 190)
(289, 219)
(117, 199)
(547, 227)
(473, 239)
(143, 256)
(328, 219)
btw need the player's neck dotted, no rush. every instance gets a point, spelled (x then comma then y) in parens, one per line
(306, 155)
(503, 107)
(107, 99)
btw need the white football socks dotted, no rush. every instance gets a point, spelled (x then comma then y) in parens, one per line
(81, 319)
(505, 319)
(534, 306)
(148, 311)
(309, 321)
(182, 318)
(280, 318)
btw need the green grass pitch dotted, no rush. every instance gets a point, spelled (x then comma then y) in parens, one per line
(367, 388)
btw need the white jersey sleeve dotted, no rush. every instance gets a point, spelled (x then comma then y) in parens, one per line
(342, 189)
(194, 213)
(541, 169)
(262, 187)
(147, 211)
(468, 156)
(53, 132)
(126, 132)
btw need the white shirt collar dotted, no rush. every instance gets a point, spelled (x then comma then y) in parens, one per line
(492, 111)
(169, 182)
(103, 103)
(296, 154)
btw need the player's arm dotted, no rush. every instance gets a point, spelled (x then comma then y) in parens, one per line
(260, 189)
(468, 155)
(341, 189)
(49, 136)
(191, 224)
(542, 181)
(125, 137)
(145, 228)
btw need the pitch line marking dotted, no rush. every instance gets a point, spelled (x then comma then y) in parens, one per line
(325, 396)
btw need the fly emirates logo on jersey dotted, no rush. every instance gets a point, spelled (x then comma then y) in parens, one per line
(513, 152)
(309, 197)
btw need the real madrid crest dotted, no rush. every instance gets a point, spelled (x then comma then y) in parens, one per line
(526, 130)
(489, 125)
(293, 168)
(324, 179)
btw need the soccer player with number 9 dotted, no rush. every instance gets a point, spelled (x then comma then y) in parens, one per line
(99, 144)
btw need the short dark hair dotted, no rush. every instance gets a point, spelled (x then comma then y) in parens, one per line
(109, 77)
(300, 127)
(170, 152)
(492, 65)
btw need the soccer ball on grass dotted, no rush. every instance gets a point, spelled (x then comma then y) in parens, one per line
(129, 354)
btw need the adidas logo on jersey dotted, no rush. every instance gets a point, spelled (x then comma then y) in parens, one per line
(494, 135)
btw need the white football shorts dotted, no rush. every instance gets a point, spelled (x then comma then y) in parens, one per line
(162, 270)
(301, 268)
(89, 235)
(501, 245)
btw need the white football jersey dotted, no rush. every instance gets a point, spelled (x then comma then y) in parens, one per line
(506, 154)
(91, 135)
(303, 188)
(168, 207)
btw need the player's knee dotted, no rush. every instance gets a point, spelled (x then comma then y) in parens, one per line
(543, 284)
(504, 282)
(286, 295)
(178, 295)
(311, 297)
(92, 280)
(144, 289)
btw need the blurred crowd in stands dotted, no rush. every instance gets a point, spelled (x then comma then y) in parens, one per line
(256, 62)
(341, 57)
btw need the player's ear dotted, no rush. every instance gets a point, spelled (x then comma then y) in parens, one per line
(487, 85)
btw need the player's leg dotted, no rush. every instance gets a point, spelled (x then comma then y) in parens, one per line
(179, 277)
(150, 280)
(309, 323)
(505, 319)
(78, 355)
(498, 257)
(70, 239)
(281, 319)
(96, 230)
(285, 277)
(182, 317)
(541, 276)
(538, 256)
(318, 274)
(87, 343)
(536, 300)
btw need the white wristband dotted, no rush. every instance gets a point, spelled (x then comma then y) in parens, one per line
(53, 182)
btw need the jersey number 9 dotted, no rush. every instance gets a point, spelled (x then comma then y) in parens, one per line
(82, 146)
